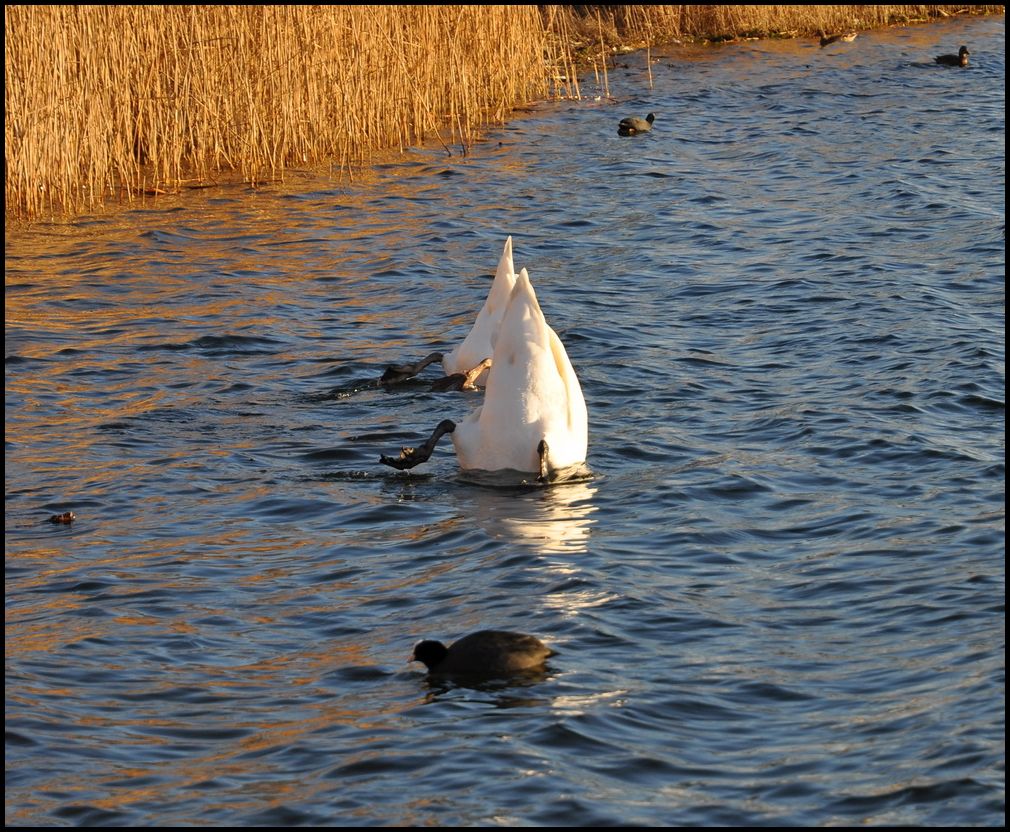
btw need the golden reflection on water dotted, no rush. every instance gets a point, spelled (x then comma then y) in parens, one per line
(252, 733)
(556, 520)
(104, 316)
(54, 622)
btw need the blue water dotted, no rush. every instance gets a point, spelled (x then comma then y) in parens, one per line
(778, 601)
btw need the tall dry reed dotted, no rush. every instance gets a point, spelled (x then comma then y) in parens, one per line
(107, 101)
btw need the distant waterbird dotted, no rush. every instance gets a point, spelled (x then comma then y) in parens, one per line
(635, 125)
(845, 37)
(960, 59)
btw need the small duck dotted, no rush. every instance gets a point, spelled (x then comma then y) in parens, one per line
(486, 653)
(635, 125)
(65, 518)
(846, 37)
(960, 59)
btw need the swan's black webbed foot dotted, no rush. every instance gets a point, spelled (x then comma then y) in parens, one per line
(409, 457)
(395, 373)
(452, 382)
(542, 452)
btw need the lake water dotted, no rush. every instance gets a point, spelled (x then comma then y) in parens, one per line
(778, 601)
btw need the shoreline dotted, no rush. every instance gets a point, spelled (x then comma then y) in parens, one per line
(174, 109)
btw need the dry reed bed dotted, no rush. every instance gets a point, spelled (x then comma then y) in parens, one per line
(655, 24)
(103, 100)
(109, 101)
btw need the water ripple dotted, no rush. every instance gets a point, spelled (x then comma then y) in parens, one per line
(778, 599)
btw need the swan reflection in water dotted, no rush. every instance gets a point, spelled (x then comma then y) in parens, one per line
(554, 520)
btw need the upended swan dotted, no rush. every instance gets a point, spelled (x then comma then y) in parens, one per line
(477, 347)
(534, 418)
(466, 365)
(532, 396)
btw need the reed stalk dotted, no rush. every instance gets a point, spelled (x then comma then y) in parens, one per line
(106, 102)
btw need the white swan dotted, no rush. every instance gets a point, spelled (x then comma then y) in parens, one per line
(477, 346)
(532, 395)
(534, 418)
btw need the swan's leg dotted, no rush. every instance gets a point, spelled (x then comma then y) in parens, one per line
(542, 451)
(409, 457)
(461, 381)
(451, 382)
(471, 377)
(395, 373)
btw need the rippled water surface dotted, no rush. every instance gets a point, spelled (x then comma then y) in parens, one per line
(778, 601)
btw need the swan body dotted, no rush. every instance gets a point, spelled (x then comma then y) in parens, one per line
(532, 401)
(476, 347)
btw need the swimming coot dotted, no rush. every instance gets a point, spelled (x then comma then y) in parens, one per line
(484, 653)
(634, 125)
(960, 59)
